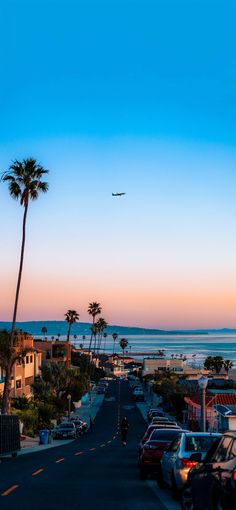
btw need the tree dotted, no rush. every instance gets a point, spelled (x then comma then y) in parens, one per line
(228, 365)
(94, 309)
(25, 183)
(44, 330)
(105, 335)
(114, 336)
(9, 354)
(71, 317)
(214, 363)
(123, 345)
(101, 325)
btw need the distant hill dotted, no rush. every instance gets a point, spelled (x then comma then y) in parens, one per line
(83, 328)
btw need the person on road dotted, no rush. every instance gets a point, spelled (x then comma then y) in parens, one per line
(91, 423)
(124, 427)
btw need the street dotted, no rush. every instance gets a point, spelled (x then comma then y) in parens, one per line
(94, 471)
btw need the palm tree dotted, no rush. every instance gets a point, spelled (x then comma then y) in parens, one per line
(114, 336)
(228, 365)
(44, 330)
(123, 345)
(71, 317)
(101, 325)
(105, 335)
(94, 309)
(25, 183)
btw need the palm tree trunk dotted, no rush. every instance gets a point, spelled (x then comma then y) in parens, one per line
(7, 384)
(19, 274)
(7, 391)
(68, 347)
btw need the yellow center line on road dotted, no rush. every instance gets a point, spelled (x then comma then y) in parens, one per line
(11, 489)
(79, 453)
(59, 460)
(37, 472)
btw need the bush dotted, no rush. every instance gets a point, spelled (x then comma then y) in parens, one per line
(29, 418)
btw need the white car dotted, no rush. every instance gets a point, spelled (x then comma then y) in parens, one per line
(176, 461)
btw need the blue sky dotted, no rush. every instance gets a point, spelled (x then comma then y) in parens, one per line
(137, 96)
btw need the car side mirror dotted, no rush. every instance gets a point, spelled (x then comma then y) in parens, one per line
(196, 457)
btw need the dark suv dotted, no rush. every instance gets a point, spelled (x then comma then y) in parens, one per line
(212, 483)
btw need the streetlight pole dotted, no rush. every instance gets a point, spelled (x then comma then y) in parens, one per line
(69, 403)
(202, 383)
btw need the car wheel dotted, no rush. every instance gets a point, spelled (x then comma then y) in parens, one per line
(186, 498)
(174, 490)
(160, 481)
(218, 505)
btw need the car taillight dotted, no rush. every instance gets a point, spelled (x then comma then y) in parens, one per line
(188, 463)
(234, 475)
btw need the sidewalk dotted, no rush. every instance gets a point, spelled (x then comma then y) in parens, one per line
(31, 445)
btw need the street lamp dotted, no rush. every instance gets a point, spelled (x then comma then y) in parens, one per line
(202, 383)
(69, 403)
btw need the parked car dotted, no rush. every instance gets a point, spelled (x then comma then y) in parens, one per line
(154, 412)
(211, 484)
(161, 421)
(153, 427)
(81, 427)
(176, 461)
(65, 431)
(153, 449)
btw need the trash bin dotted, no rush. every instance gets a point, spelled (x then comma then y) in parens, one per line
(43, 436)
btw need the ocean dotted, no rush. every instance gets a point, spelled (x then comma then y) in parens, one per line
(199, 345)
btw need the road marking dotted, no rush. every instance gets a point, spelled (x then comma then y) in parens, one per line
(108, 442)
(37, 472)
(92, 449)
(8, 491)
(163, 496)
(102, 445)
(59, 460)
(79, 453)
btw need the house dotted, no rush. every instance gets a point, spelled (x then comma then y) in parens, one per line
(152, 365)
(54, 351)
(215, 410)
(25, 370)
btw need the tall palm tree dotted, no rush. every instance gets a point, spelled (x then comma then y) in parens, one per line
(24, 179)
(94, 309)
(228, 365)
(71, 316)
(101, 325)
(123, 345)
(114, 336)
(105, 335)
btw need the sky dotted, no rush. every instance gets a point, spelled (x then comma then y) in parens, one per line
(122, 95)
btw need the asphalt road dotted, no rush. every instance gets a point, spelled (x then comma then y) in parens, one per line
(93, 472)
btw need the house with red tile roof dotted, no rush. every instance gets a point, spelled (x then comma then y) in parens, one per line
(220, 411)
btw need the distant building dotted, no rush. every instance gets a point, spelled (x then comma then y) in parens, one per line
(24, 371)
(152, 365)
(54, 351)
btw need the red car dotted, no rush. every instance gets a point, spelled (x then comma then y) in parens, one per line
(153, 449)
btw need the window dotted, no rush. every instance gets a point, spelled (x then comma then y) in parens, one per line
(175, 445)
(31, 358)
(198, 443)
(18, 384)
(233, 451)
(221, 454)
(27, 359)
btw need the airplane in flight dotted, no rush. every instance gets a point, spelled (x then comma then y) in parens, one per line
(118, 194)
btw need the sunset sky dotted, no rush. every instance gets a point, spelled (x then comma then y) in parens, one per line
(122, 95)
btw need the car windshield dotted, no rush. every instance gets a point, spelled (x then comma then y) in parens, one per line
(164, 435)
(198, 443)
